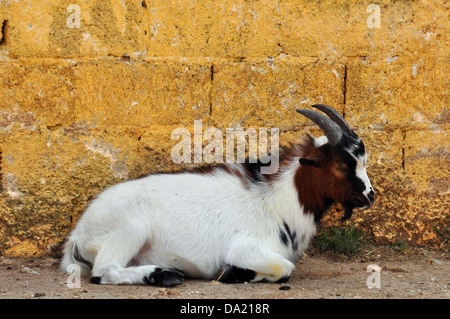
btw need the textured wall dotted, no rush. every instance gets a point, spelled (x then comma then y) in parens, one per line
(90, 94)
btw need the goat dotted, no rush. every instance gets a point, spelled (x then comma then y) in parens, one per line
(228, 222)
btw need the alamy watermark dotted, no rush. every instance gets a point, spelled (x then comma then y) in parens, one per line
(373, 20)
(74, 279)
(74, 20)
(374, 279)
(213, 152)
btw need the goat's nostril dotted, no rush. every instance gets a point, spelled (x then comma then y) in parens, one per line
(371, 196)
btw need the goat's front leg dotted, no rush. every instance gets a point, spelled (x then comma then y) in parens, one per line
(115, 253)
(270, 268)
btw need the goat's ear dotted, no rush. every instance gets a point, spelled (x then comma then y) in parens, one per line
(312, 160)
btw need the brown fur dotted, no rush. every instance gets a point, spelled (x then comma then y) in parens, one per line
(319, 187)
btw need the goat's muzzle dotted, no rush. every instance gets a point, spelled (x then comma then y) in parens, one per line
(361, 202)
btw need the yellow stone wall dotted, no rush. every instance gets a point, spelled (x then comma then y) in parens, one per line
(86, 106)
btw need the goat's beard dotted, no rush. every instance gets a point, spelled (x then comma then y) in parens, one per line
(348, 211)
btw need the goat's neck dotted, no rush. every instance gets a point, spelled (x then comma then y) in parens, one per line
(312, 190)
(296, 190)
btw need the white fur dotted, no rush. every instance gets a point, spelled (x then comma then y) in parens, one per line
(361, 172)
(196, 223)
(322, 140)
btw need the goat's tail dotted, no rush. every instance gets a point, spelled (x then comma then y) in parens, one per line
(72, 257)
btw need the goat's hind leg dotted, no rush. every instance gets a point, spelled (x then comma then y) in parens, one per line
(234, 274)
(231, 274)
(149, 274)
(263, 267)
(110, 265)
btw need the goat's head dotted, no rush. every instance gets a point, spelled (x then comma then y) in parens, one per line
(339, 164)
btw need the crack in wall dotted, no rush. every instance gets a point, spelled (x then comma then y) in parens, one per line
(403, 150)
(3, 29)
(1, 175)
(210, 92)
(344, 89)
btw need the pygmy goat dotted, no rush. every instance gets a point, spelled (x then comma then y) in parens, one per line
(228, 222)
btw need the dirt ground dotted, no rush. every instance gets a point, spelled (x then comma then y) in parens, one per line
(415, 274)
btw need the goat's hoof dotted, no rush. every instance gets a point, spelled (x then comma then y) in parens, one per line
(96, 280)
(233, 274)
(164, 278)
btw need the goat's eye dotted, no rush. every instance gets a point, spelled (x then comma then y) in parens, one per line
(342, 169)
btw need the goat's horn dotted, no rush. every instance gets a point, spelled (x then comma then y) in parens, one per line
(330, 128)
(336, 117)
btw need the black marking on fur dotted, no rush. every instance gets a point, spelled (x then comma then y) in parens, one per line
(294, 244)
(357, 183)
(232, 274)
(79, 258)
(286, 236)
(292, 236)
(359, 150)
(253, 170)
(283, 237)
(349, 148)
(164, 278)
